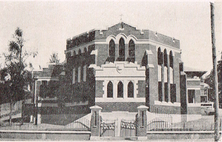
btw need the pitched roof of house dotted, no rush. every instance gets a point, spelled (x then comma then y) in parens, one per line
(53, 70)
(193, 71)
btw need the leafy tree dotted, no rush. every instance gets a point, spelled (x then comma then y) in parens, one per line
(210, 81)
(15, 73)
(54, 58)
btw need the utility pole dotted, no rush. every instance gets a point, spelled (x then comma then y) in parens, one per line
(216, 103)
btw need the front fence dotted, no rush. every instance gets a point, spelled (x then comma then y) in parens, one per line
(128, 128)
(159, 124)
(81, 124)
(107, 128)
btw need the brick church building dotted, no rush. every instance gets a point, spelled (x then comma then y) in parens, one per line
(122, 67)
(119, 69)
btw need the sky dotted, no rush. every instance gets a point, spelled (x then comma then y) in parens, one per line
(47, 25)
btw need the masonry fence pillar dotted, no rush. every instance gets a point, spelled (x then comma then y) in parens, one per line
(183, 96)
(95, 122)
(39, 116)
(141, 127)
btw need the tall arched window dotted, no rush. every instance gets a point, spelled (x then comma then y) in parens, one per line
(165, 76)
(130, 90)
(131, 57)
(79, 52)
(122, 49)
(110, 90)
(111, 48)
(131, 48)
(165, 58)
(171, 59)
(160, 58)
(160, 62)
(120, 90)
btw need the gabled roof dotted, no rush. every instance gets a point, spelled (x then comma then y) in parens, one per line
(122, 25)
(51, 71)
(191, 72)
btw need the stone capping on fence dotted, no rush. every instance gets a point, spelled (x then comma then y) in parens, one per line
(40, 132)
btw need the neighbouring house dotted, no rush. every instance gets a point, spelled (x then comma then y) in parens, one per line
(197, 90)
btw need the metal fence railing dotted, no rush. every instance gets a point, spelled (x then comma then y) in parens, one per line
(159, 124)
(82, 123)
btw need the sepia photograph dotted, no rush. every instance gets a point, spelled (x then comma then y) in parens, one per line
(109, 70)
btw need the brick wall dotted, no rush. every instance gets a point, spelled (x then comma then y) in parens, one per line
(103, 53)
(165, 109)
(141, 88)
(176, 73)
(99, 88)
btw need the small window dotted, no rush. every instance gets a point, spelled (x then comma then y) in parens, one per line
(131, 48)
(171, 59)
(122, 49)
(74, 53)
(130, 89)
(73, 76)
(120, 90)
(110, 90)
(191, 96)
(160, 57)
(111, 48)
(84, 73)
(165, 58)
(95, 122)
(79, 74)
(76, 75)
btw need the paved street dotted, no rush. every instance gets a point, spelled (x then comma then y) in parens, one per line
(170, 140)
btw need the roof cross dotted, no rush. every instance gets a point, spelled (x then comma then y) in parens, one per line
(121, 17)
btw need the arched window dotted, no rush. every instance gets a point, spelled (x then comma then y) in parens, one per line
(76, 75)
(111, 48)
(131, 48)
(85, 50)
(130, 90)
(73, 75)
(110, 90)
(160, 58)
(122, 49)
(79, 73)
(84, 72)
(79, 52)
(74, 53)
(165, 58)
(81, 76)
(120, 90)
